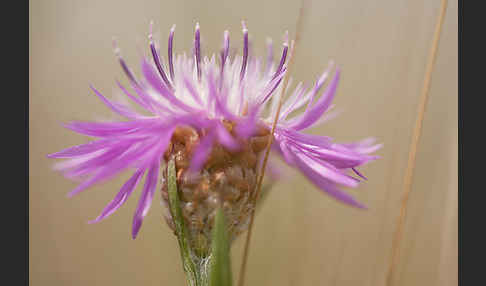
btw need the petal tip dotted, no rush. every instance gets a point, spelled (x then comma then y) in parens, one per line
(362, 207)
(135, 229)
(93, 221)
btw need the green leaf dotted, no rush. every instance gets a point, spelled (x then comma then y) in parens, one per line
(192, 271)
(220, 271)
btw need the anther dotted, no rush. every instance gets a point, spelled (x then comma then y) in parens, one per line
(197, 51)
(284, 54)
(124, 66)
(245, 51)
(170, 44)
(156, 58)
(225, 51)
(224, 56)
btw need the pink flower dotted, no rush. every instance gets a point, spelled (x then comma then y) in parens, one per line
(206, 94)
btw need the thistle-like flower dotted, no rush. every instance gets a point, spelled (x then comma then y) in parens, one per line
(213, 117)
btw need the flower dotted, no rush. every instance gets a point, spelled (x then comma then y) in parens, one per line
(214, 118)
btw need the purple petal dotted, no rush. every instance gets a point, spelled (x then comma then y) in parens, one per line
(98, 161)
(151, 102)
(135, 99)
(154, 79)
(315, 112)
(192, 90)
(345, 160)
(121, 197)
(219, 98)
(197, 120)
(201, 153)
(146, 197)
(326, 117)
(296, 97)
(225, 138)
(117, 107)
(106, 167)
(339, 158)
(309, 98)
(325, 169)
(247, 126)
(105, 171)
(365, 146)
(107, 129)
(156, 83)
(315, 140)
(326, 185)
(82, 149)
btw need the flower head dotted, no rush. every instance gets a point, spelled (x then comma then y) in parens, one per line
(213, 116)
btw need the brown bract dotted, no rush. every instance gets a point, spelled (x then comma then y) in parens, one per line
(227, 179)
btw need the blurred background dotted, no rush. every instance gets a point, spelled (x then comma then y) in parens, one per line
(301, 236)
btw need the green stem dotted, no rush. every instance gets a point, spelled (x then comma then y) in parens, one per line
(220, 271)
(195, 269)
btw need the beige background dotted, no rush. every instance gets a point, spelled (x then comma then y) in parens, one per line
(301, 236)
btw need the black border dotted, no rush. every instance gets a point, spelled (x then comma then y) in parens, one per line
(16, 213)
(460, 133)
(15, 147)
(471, 110)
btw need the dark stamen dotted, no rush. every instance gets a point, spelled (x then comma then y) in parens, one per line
(224, 56)
(171, 64)
(124, 66)
(225, 51)
(284, 55)
(245, 50)
(157, 60)
(197, 51)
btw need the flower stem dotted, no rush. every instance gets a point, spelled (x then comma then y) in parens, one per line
(220, 270)
(196, 269)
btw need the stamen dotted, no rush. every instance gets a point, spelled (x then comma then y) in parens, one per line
(284, 54)
(225, 51)
(157, 60)
(245, 50)
(124, 66)
(224, 54)
(171, 64)
(197, 51)
(359, 174)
